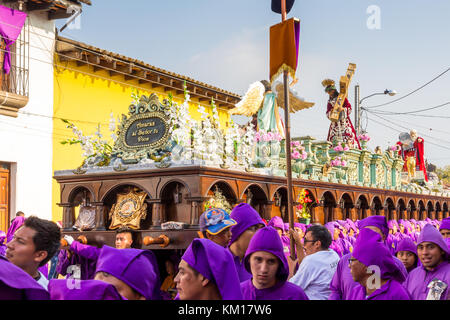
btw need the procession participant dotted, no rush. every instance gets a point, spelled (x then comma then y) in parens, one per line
(15, 224)
(168, 285)
(342, 282)
(85, 290)
(334, 236)
(444, 228)
(300, 228)
(392, 238)
(248, 222)
(16, 284)
(407, 253)
(266, 261)
(215, 224)
(33, 245)
(431, 280)
(133, 272)
(206, 272)
(342, 130)
(85, 256)
(2, 244)
(319, 265)
(342, 234)
(374, 269)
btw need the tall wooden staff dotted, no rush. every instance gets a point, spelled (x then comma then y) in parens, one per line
(287, 133)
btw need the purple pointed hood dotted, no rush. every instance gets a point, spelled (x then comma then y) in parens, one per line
(267, 239)
(133, 266)
(16, 224)
(300, 225)
(84, 290)
(18, 283)
(445, 224)
(375, 221)
(216, 264)
(370, 250)
(2, 237)
(406, 244)
(246, 217)
(276, 222)
(430, 234)
(330, 227)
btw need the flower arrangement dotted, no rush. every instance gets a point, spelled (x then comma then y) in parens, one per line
(338, 162)
(217, 201)
(303, 208)
(298, 151)
(364, 137)
(267, 136)
(394, 148)
(341, 147)
(97, 151)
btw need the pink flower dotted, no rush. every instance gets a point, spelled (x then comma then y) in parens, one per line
(270, 136)
(296, 143)
(257, 137)
(304, 155)
(266, 137)
(346, 148)
(344, 163)
(295, 154)
(338, 148)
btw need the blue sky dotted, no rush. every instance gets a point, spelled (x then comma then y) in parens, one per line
(226, 44)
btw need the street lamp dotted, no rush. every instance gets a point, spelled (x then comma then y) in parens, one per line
(358, 105)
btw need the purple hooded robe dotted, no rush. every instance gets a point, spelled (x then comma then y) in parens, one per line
(419, 279)
(137, 268)
(2, 244)
(84, 290)
(408, 245)
(246, 217)
(343, 283)
(216, 264)
(16, 284)
(267, 239)
(335, 245)
(445, 224)
(370, 251)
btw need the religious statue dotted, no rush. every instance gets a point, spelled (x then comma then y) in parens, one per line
(263, 100)
(339, 109)
(412, 151)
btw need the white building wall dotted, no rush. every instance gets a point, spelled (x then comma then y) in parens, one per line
(26, 141)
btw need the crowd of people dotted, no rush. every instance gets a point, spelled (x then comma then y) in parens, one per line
(239, 256)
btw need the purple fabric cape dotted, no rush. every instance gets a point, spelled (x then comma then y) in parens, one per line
(280, 291)
(445, 224)
(11, 24)
(216, 264)
(84, 290)
(276, 222)
(391, 290)
(137, 268)
(16, 284)
(245, 216)
(87, 266)
(16, 224)
(369, 250)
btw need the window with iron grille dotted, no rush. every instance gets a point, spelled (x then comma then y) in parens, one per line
(14, 89)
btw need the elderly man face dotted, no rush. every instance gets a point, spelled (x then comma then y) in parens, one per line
(358, 270)
(430, 254)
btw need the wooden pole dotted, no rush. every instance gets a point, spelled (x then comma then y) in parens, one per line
(288, 145)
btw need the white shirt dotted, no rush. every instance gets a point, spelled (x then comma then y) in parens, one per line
(43, 281)
(315, 274)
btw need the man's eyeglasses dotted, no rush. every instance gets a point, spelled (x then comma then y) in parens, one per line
(306, 241)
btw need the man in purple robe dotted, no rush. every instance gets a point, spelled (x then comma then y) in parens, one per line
(444, 228)
(431, 280)
(88, 290)
(15, 224)
(33, 245)
(133, 272)
(266, 261)
(16, 284)
(407, 253)
(374, 268)
(335, 245)
(343, 283)
(206, 272)
(248, 222)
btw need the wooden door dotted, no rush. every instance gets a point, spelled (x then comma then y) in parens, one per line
(4, 199)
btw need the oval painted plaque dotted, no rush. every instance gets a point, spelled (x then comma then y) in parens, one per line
(145, 132)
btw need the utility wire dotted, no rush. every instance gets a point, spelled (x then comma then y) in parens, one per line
(410, 112)
(403, 97)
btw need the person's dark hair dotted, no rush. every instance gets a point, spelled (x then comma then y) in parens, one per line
(322, 234)
(125, 230)
(335, 93)
(135, 236)
(47, 237)
(20, 213)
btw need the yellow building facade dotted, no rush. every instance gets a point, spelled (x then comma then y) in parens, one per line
(91, 83)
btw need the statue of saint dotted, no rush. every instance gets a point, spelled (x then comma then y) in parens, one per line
(412, 152)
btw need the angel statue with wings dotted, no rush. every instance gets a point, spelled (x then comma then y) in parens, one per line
(263, 100)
